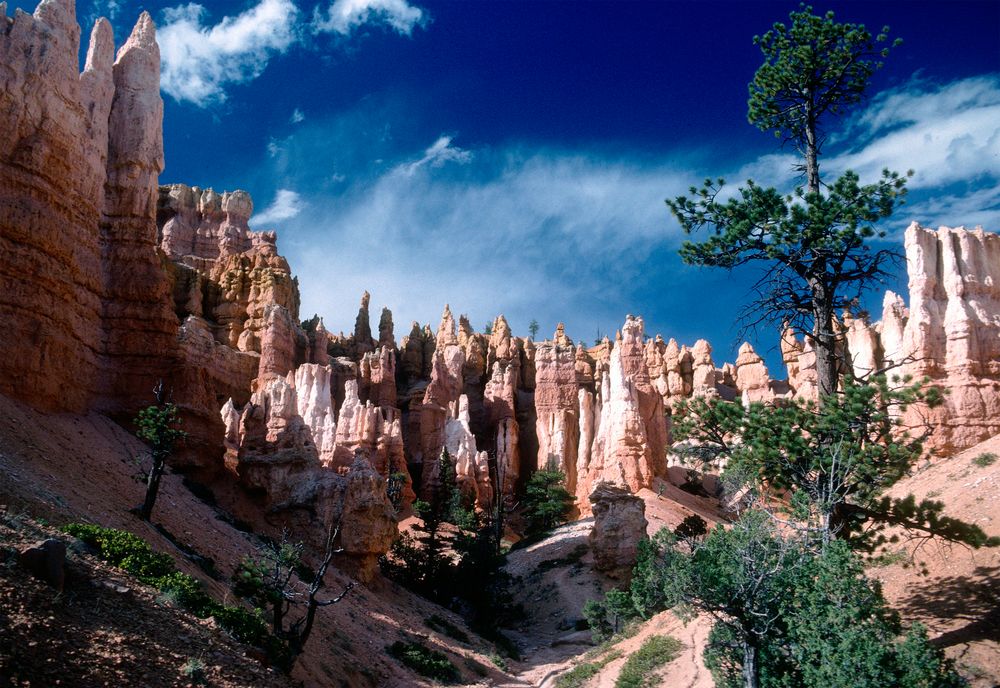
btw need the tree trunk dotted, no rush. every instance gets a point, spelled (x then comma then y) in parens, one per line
(824, 342)
(751, 671)
(277, 618)
(303, 635)
(826, 521)
(811, 152)
(152, 488)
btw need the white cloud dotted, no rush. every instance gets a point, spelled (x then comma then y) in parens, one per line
(297, 116)
(504, 232)
(580, 236)
(439, 153)
(287, 204)
(198, 61)
(344, 16)
(978, 207)
(944, 133)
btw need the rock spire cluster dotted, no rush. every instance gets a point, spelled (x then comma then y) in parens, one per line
(110, 282)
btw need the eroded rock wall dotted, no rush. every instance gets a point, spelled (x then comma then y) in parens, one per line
(81, 284)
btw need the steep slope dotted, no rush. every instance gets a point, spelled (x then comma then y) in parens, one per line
(105, 629)
(66, 467)
(954, 590)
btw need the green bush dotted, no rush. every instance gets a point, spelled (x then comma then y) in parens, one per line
(425, 661)
(608, 617)
(244, 625)
(546, 502)
(125, 550)
(984, 460)
(654, 653)
(189, 594)
(134, 555)
(581, 673)
(194, 671)
(499, 662)
(578, 675)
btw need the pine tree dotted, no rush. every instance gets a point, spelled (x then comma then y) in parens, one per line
(546, 502)
(787, 615)
(828, 466)
(816, 241)
(157, 426)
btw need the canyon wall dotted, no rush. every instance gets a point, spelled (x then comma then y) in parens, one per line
(109, 284)
(81, 285)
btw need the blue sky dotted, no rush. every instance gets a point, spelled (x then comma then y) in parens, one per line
(514, 157)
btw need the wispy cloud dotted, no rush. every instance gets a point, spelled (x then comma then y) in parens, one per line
(439, 153)
(345, 16)
(528, 233)
(297, 116)
(945, 133)
(287, 204)
(538, 232)
(111, 8)
(198, 61)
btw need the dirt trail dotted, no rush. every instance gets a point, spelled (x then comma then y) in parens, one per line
(556, 578)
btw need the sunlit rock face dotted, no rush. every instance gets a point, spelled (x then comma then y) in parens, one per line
(82, 295)
(110, 283)
(951, 331)
(556, 408)
(630, 430)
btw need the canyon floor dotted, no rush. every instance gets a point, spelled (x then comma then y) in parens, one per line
(107, 629)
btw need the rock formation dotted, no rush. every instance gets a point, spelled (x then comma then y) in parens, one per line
(629, 430)
(556, 408)
(950, 333)
(368, 521)
(109, 283)
(229, 283)
(81, 289)
(619, 525)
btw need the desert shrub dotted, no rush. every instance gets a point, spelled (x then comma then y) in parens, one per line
(134, 555)
(578, 675)
(654, 653)
(243, 624)
(442, 625)
(499, 662)
(394, 488)
(188, 592)
(125, 550)
(424, 661)
(194, 671)
(985, 459)
(581, 673)
(609, 616)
